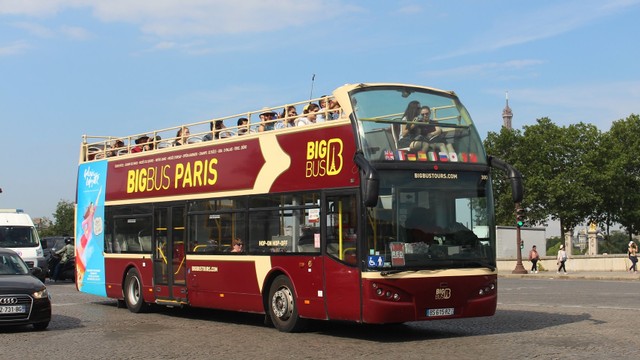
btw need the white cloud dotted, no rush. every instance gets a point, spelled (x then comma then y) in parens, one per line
(410, 9)
(15, 48)
(34, 29)
(170, 18)
(483, 70)
(38, 8)
(199, 17)
(522, 27)
(75, 33)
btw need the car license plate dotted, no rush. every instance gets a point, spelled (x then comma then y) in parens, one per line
(11, 309)
(440, 312)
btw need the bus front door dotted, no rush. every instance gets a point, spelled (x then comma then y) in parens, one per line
(342, 278)
(169, 255)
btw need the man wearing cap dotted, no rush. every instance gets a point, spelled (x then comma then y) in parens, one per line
(141, 144)
(266, 120)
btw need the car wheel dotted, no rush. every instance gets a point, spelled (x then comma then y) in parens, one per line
(41, 325)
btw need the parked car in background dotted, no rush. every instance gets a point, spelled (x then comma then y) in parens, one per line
(24, 300)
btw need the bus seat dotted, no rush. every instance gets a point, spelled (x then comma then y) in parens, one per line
(133, 244)
(163, 144)
(194, 139)
(307, 248)
(145, 243)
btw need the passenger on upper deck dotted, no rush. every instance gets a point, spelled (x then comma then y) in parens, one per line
(324, 114)
(416, 136)
(335, 112)
(117, 148)
(243, 126)
(308, 115)
(288, 116)
(142, 144)
(217, 131)
(266, 120)
(182, 135)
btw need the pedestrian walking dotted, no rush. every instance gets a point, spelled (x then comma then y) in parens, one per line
(633, 256)
(534, 257)
(562, 258)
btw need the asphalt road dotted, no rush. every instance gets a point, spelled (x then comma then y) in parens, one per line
(536, 318)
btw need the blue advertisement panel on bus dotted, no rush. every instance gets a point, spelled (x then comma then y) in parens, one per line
(92, 180)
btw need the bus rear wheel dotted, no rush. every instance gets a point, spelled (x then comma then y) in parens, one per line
(133, 292)
(283, 309)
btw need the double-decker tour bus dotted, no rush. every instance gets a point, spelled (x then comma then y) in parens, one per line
(377, 208)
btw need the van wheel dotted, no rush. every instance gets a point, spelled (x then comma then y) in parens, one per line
(283, 310)
(133, 292)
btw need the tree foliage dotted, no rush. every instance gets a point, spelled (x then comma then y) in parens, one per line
(573, 174)
(63, 220)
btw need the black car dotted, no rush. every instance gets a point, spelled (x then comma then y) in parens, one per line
(23, 298)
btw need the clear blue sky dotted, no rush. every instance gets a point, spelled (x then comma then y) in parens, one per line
(119, 67)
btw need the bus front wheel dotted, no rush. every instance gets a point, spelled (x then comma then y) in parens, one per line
(133, 292)
(283, 309)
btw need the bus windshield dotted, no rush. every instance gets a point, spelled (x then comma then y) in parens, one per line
(399, 123)
(18, 237)
(432, 221)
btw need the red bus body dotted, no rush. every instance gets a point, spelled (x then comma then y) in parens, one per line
(157, 226)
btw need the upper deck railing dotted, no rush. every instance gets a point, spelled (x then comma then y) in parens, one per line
(100, 147)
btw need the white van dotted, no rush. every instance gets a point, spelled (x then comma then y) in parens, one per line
(18, 233)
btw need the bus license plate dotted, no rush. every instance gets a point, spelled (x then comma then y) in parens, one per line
(440, 312)
(11, 309)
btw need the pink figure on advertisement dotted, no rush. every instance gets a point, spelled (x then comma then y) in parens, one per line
(87, 234)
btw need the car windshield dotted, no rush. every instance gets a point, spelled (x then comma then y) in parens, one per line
(12, 264)
(18, 236)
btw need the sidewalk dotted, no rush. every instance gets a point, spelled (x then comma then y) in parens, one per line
(581, 275)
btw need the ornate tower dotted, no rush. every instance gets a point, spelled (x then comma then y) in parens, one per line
(507, 114)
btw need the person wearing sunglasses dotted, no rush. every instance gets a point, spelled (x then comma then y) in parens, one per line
(237, 245)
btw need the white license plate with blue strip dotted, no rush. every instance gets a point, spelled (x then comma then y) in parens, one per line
(440, 312)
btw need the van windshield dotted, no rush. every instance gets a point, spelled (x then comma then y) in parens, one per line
(18, 236)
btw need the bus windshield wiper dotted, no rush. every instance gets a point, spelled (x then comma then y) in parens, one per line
(390, 272)
(394, 271)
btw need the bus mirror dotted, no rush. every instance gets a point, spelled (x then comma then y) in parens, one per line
(517, 190)
(370, 183)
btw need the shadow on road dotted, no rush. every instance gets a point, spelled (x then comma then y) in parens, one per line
(505, 321)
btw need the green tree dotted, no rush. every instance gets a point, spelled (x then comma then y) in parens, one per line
(504, 145)
(63, 220)
(615, 243)
(618, 175)
(554, 163)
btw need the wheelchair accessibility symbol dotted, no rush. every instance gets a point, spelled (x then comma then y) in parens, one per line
(376, 261)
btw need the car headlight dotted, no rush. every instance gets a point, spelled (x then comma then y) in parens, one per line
(41, 294)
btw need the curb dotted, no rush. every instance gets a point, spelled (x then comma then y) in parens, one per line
(573, 276)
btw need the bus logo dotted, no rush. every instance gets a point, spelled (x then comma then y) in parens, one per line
(443, 293)
(324, 158)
